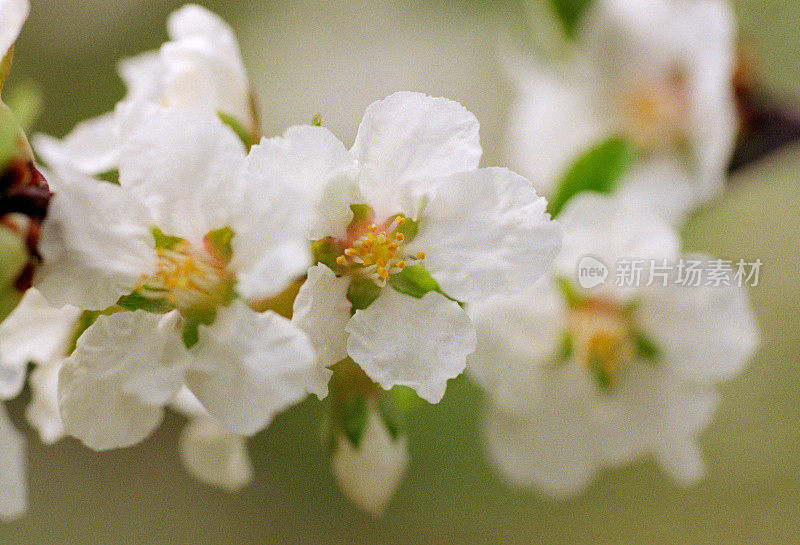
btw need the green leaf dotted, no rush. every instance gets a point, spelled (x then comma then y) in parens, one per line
(241, 131)
(362, 292)
(569, 14)
(414, 281)
(163, 241)
(600, 169)
(354, 419)
(219, 244)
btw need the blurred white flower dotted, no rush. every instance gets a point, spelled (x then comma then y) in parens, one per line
(200, 69)
(183, 243)
(579, 380)
(370, 473)
(658, 72)
(402, 219)
(13, 14)
(209, 452)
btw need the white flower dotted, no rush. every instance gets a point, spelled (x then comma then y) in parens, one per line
(13, 486)
(579, 380)
(188, 238)
(657, 71)
(370, 473)
(209, 452)
(13, 14)
(36, 332)
(401, 219)
(200, 69)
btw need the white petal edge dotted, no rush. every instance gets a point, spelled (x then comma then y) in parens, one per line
(250, 366)
(13, 14)
(403, 341)
(215, 456)
(13, 483)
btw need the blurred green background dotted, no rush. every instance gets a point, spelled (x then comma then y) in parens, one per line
(335, 58)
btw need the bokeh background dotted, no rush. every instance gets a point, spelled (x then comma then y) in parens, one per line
(335, 57)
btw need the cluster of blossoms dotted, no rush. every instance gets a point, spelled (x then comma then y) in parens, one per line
(188, 262)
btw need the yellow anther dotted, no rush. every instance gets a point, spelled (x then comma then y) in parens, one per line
(381, 238)
(381, 262)
(420, 255)
(400, 237)
(400, 264)
(383, 273)
(341, 260)
(350, 252)
(367, 262)
(400, 221)
(373, 227)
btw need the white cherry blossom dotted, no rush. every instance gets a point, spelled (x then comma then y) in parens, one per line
(169, 260)
(583, 379)
(658, 72)
(200, 68)
(405, 225)
(13, 14)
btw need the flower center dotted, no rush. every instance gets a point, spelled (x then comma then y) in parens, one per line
(656, 113)
(187, 278)
(377, 251)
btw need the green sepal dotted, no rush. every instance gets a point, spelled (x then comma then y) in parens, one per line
(86, 320)
(569, 293)
(136, 301)
(218, 243)
(569, 14)
(165, 242)
(415, 281)
(391, 415)
(190, 331)
(408, 229)
(316, 121)
(362, 293)
(600, 169)
(244, 134)
(110, 176)
(26, 102)
(354, 419)
(646, 348)
(361, 213)
(565, 350)
(604, 379)
(5, 66)
(326, 251)
(405, 398)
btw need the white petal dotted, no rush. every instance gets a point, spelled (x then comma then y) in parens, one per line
(314, 161)
(550, 450)
(92, 147)
(187, 168)
(517, 338)
(408, 140)
(706, 334)
(611, 229)
(125, 368)
(486, 232)
(43, 412)
(187, 404)
(13, 485)
(250, 366)
(12, 16)
(420, 343)
(651, 411)
(270, 246)
(683, 462)
(36, 332)
(143, 76)
(552, 122)
(370, 474)
(322, 310)
(203, 66)
(215, 456)
(96, 244)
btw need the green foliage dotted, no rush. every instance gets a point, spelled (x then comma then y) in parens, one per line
(569, 14)
(600, 169)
